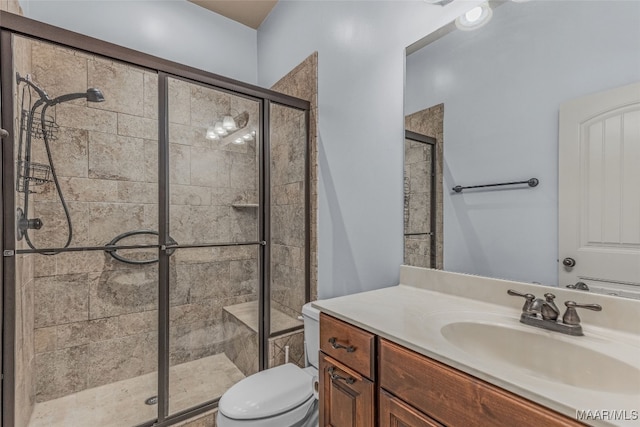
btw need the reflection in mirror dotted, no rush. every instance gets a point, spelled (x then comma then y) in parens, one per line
(502, 87)
(423, 188)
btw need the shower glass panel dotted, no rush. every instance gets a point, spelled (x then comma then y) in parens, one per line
(213, 165)
(213, 332)
(214, 203)
(418, 198)
(85, 158)
(287, 139)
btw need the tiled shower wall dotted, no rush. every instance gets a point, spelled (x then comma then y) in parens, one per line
(95, 317)
(417, 167)
(288, 188)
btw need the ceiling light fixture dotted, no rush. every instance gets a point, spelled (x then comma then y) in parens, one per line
(474, 18)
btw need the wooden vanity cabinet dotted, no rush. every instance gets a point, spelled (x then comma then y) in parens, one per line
(454, 398)
(391, 386)
(347, 367)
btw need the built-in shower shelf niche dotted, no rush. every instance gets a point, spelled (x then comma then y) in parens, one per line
(245, 205)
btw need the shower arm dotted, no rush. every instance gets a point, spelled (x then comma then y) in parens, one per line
(65, 98)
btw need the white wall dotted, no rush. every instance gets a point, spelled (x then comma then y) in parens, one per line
(171, 29)
(360, 48)
(502, 86)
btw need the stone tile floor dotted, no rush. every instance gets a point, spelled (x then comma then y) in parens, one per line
(121, 404)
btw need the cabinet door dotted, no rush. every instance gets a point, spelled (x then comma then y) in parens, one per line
(346, 397)
(395, 413)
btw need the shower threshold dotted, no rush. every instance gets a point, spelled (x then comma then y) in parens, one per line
(122, 403)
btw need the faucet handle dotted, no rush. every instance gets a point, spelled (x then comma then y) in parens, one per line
(571, 315)
(549, 309)
(526, 308)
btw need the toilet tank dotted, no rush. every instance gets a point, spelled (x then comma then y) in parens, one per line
(311, 317)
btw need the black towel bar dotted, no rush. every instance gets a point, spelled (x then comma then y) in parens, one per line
(531, 182)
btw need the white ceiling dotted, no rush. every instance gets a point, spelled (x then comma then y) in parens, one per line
(248, 12)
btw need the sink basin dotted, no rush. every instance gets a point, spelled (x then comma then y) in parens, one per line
(544, 355)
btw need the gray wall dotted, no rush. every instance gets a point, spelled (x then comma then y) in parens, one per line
(176, 30)
(501, 87)
(360, 83)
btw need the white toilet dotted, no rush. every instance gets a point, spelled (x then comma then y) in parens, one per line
(278, 397)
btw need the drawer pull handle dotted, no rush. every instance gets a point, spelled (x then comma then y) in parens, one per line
(336, 377)
(334, 343)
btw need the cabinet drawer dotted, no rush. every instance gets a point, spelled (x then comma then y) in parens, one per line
(395, 413)
(346, 397)
(347, 344)
(457, 399)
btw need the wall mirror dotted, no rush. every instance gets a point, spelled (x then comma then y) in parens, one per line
(499, 104)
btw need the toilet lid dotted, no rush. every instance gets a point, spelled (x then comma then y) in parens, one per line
(267, 393)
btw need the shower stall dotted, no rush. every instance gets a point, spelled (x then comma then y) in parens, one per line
(155, 232)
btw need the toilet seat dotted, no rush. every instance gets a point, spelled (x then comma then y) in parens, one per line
(268, 394)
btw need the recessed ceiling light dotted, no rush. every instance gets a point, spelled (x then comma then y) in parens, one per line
(475, 18)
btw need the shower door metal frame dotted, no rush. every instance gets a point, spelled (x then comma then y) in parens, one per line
(10, 25)
(8, 234)
(428, 140)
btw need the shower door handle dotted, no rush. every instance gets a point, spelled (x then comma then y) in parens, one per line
(169, 248)
(4, 133)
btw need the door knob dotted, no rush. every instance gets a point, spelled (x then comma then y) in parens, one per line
(3, 133)
(569, 262)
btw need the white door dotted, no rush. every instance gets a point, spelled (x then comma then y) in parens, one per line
(599, 190)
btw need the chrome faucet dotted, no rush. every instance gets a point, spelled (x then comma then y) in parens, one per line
(544, 313)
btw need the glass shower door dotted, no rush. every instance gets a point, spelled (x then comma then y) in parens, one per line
(214, 170)
(137, 233)
(86, 317)
(289, 227)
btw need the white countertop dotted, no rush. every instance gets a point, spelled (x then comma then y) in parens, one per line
(413, 314)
